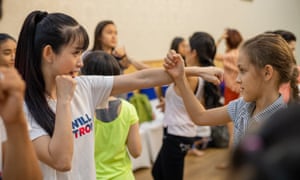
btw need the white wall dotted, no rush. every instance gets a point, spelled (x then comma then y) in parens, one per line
(146, 27)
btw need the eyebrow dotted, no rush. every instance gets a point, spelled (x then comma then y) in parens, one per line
(7, 50)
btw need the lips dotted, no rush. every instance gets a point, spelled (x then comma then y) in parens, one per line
(74, 74)
(241, 89)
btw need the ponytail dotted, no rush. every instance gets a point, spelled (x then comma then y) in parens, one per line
(205, 46)
(28, 63)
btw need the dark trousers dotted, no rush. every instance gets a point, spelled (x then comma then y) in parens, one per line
(169, 163)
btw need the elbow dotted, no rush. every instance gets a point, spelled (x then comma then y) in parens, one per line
(63, 165)
(136, 153)
(198, 121)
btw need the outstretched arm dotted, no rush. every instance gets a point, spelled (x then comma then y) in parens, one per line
(20, 160)
(158, 76)
(141, 79)
(198, 114)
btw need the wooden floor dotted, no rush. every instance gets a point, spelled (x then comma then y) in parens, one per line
(197, 168)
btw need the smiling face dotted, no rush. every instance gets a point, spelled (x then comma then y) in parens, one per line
(7, 53)
(250, 78)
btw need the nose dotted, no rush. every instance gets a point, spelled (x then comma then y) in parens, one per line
(79, 62)
(238, 79)
(13, 55)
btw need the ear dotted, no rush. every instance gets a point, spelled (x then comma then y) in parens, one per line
(268, 72)
(48, 54)
(194, 53)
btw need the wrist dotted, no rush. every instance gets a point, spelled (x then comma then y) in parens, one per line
(122, 57)
(179, 79)
(16, 126)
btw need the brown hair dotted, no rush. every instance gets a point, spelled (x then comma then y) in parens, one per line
(234, 38)
(272, 49)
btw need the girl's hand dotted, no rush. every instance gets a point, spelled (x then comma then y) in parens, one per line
(12, 89)
(174, 65)
(161, 104)
(65, 87)
(119, 52)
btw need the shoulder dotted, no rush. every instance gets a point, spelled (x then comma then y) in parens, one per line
(238, 103)
(90, 79)
(126, 104)
(236, 106)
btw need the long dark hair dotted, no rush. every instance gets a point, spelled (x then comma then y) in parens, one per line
(98, 33)
(41, 29)
(205, 47)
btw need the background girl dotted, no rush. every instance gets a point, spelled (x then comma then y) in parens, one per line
(7, 50)
(179, 130)
(265, 62)
(116, 127)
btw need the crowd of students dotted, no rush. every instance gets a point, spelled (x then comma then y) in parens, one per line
(62, 125)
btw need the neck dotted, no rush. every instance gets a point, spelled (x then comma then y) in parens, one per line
(107, 50)
(265, 101)
(112, 98)
(50, 83)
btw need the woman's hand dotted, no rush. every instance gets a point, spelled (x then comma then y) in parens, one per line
(119, 52)
(162, 104)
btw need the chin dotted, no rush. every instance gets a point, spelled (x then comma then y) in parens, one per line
(247, 99)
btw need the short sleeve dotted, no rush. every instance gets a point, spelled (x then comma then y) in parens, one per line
(97, 88)
(233, 108)
(35, 130)
(132, 114)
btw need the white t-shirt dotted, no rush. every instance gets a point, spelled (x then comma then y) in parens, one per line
(90, 91)
(2, 139)
(176, 117)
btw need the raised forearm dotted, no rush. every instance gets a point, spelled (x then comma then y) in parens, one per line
(192, 104)
(61, 144)
(196, 110)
